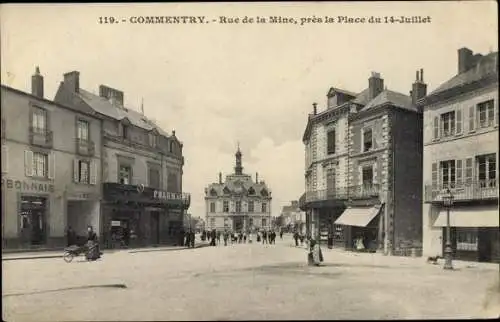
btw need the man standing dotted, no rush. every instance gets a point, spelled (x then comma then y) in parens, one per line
(296, 237)
(214, 237)
(226, 236)
(191, 238)
(218, 237)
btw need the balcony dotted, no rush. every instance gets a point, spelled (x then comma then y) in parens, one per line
(145, 196)
(40, 137)
(365, 191)
(85, 147)
(326, 194)
(476, 190)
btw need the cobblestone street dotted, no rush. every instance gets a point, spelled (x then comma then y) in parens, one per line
(244, 281)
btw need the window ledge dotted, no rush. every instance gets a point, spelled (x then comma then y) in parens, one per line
(41, 178)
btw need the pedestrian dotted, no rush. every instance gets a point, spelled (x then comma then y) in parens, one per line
(296, 237)
(214, 237)
(218, 237)
(245, 238)
(70, 236)
(226, 236)
(93, 252)
(264, 237)
(301, 239)
(281, 234)
(192, 237)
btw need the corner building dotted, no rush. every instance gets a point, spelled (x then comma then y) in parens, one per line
(51, 169)
(461, 154)
(238, 203)
(142, 168)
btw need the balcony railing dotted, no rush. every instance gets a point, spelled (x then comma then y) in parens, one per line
(85, 147)
(352, 192)
(40, 137)
(476, 190)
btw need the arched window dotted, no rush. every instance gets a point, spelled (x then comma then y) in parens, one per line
(264, 193)
(251, 191)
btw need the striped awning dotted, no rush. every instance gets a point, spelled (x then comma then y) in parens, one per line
(358, 216)
(469, 217)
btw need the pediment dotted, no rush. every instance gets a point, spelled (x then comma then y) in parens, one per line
(332, 92)
(154, 131)
(226, 190)
(213, 193)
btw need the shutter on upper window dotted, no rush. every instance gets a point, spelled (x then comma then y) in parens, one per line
(28, 163)
(5, 158)
(459, 172)
(436, 128)
(52, 165)
(76, 171)
(472, 121)
(458, 118)
(434, 176)
(93, 172)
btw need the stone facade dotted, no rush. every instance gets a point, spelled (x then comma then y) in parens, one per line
(43, 144)
(238, 203)
(460, 142)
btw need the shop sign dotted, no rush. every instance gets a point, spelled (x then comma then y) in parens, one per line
(22, 185)
(163, 195)
(116, 223)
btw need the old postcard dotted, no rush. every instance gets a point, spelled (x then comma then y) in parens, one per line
(250, 161)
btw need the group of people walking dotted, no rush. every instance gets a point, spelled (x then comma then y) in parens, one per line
(229, 237)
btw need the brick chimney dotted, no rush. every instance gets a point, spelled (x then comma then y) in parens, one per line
(220, 177)
(375, 85)
(315, 108)
(256, 177)
(465, 59)
(72, 81)
(419, 88)
(37, 83)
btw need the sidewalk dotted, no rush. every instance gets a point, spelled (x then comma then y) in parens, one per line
(59, 253)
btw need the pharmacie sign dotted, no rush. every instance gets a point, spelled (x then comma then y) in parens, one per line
(163, 195)
(31, 186)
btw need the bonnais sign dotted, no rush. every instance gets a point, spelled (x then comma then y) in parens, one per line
(31, 186)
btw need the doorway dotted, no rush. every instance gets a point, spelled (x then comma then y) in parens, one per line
(33, 226)
(238, 223)
(155, 227)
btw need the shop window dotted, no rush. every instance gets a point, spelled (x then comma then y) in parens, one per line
(32, 219)
(467, 239)
(125, 174)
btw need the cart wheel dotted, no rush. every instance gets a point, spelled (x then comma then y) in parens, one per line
(68, 257)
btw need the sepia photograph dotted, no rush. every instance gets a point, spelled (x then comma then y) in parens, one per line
(183, 161)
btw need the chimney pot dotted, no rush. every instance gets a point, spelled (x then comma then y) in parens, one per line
(419, 88)
(220, 177)
(465, 59)
(256, 177)
(375, 85)
(37, 83)
(315, 108)
(421, 74)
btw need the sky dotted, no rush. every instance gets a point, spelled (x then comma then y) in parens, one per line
(219, 84)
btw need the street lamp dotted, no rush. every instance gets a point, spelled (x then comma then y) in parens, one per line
(448, 203)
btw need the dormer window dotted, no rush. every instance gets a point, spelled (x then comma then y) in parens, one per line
(226, 190)
(251, 191)
(213, 193)
(171, 147)
(152, 140)
(264, 193)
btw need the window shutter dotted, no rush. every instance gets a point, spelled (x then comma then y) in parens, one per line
(471, 118)
(5, 158)
(496, 110)
(434, 176)
(76, 171)
(374, 174)
(93, 172)
(52, 166)
(459, 172)
(468, 170)
(436, 128)
(458, 118)
(362, 147)
(28, 163)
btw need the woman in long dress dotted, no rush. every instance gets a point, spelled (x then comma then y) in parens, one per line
(315, 255)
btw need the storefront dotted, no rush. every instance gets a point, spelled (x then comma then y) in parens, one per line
(361, 227)
(26, 210)
(474, 232)
(136, 216)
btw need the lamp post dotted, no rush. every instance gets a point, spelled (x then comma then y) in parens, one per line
(448, 203)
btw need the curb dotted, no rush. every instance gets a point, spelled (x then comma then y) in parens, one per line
(105, 252)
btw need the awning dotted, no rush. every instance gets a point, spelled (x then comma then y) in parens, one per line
(469, 217)
(358, 216)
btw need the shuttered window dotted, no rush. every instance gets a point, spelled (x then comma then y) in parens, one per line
(436, 128)
(458, 125)
(5, 158)
(468, 171)
(472, 120)
(434, 176)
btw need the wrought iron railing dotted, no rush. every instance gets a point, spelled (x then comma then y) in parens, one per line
(344, 193)
(40, 136)
(476, 190)
(85, 147)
